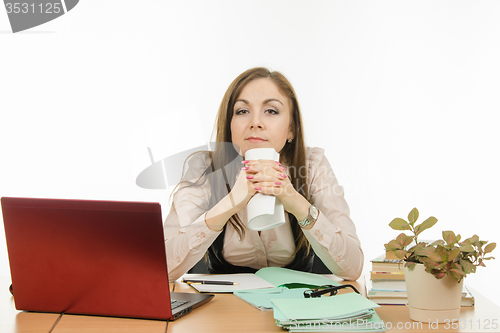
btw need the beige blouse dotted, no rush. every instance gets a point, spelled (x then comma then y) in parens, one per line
(333, 236)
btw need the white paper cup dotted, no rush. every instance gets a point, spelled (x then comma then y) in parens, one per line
(264, 211)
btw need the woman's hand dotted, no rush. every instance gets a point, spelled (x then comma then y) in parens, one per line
(242, 191)
(258, 176)
(268, 177)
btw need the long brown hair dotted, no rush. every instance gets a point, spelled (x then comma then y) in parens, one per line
(293, 155)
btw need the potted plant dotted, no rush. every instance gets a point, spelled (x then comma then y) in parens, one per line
(434, 272)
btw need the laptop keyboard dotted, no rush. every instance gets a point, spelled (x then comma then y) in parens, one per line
(175, 303)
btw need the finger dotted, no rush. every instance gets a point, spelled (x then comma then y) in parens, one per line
(269, 188)
(255, 166)
(266, 177)
(266, 188)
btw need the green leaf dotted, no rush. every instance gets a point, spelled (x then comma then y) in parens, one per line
(443, 254)
(456, 274)
(413, 216)
(438, 274)
(466, 242)
(458, 271)
(429, 264)
(388, 248)
(467, 266)
(400, 254)
(401, 238)
(429, 270)
(490, 247)
(437, 242)
(449, 237)
(408, 241)
(426, 224)
(453, 254)
(467, 248)
(399, 224)
(410, 265)
(404, 240)
(395, 245)
(414, 248)
(474, 239)
(424, 251)
(435, 256)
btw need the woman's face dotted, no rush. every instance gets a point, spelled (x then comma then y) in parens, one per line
(261, 117)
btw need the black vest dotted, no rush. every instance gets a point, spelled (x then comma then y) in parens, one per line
(303, 261)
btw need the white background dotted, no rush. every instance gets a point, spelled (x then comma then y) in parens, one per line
(403, 96)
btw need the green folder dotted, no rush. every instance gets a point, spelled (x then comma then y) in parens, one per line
(370, 323)
(288, 283)
(349, 312)
(279, 276)
(261, 298)
(344, 313)
(333, 307)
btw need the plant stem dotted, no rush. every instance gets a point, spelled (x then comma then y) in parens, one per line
(413, 230)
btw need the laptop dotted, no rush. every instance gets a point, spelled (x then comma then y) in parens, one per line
(90, 257)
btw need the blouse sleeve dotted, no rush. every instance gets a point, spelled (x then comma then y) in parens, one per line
(333, 236)
(187, 236)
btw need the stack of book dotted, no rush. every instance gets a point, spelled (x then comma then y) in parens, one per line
(387, 282)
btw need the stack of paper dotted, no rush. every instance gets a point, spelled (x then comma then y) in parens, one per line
(345, 313)
(241, 281)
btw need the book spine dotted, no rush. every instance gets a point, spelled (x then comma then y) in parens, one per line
(387, 275)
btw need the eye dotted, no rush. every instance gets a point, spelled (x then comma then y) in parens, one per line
(272, 111)
(241, 111)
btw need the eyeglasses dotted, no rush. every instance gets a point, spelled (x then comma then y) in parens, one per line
(327, 289)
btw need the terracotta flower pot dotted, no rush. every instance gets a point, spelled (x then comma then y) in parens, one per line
(431, 299)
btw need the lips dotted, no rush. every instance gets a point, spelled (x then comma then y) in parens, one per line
(255, 139)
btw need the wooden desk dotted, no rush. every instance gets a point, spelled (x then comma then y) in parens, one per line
(94, 324)
(13, 321)
(225, 313)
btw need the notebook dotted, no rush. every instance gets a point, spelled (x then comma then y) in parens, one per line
(91, 257)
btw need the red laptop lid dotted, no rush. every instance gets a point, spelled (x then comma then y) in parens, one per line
(87, 257)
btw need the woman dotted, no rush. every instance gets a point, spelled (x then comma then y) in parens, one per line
(208, 215)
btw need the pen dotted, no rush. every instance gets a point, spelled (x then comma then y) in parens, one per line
(226, 283)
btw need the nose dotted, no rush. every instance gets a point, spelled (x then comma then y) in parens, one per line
(256, 121)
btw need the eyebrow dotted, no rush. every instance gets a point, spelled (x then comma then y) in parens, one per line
(265, 102)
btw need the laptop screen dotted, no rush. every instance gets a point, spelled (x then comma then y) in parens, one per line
(87, 257)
